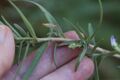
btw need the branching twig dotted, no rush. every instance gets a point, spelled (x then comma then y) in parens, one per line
(104, 51)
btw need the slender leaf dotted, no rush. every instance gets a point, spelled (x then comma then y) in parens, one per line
(21, 64)
(96, 74)
(54, 54)
(27, 23)
(100, 21)
(11, 27)
(90, 29)
(91, 32)
(35, 61)
(81, 56)
(20, 50)
(20, 29)
(101, 12)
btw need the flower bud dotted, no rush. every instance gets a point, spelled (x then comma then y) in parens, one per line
(113, 41)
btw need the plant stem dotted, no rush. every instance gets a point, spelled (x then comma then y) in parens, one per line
(46, 39)
(104, 51)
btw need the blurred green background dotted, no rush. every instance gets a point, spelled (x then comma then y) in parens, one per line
(77, 11)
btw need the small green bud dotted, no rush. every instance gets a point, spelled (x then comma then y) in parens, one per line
(74, 45)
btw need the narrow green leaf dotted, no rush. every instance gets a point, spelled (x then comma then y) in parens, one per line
(100, 59)
(21, 64)
(101, 12)
(20, 29)
(81, 56)
(11, 27)
(35, 61)
(27, 23)
(49, 17)
(90, 29)
(91, 32)
(101, 18)
(54, 55)
(20, 50)
(96, 74)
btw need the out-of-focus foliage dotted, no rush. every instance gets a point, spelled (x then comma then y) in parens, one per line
(79, 12)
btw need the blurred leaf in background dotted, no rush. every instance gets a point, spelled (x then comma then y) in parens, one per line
(79, 12)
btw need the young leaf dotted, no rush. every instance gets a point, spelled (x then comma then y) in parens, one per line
(90, 29)
(20, 29)
(27, 23)
(91, 32)
(35, 61)
(52, 27)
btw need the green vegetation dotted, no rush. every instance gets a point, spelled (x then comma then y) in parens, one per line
(94, 21)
